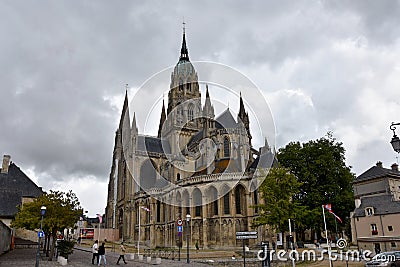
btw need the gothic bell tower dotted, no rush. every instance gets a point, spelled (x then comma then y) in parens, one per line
(184, 104)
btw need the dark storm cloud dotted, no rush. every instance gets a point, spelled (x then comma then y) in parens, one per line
(323, 65)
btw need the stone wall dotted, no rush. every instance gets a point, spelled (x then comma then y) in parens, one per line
(5, 238)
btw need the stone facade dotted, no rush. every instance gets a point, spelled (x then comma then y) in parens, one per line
(198, 164)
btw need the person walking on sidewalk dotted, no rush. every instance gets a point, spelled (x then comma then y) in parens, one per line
(102, 254)
(121, 253)
(95, 251)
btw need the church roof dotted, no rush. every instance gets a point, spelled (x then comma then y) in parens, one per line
(13, 186)
(382, 205)
(225, 120)
(265, 160)
(153, 144)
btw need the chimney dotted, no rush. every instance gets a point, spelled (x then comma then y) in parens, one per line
(357, 202)
(379, 164)
(395, 167)
(6, 163)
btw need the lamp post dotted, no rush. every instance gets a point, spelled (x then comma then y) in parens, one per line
(187, 237)
(395, 139)
(42, 213)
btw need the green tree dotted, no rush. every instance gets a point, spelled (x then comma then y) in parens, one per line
(62, 211)
(279, 204)
(321, 169)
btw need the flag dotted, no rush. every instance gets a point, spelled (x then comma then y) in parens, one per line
(329, 208)
(146, 209)
(100, 218)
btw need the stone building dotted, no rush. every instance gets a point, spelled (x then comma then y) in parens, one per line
(16, 188)
(198, 164)
(375, 220)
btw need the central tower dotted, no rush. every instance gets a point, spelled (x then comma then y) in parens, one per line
(184, 103)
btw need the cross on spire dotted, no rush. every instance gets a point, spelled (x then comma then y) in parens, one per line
(184, 51)
(184, 25)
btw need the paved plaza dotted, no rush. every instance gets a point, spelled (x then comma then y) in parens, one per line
(26, 257)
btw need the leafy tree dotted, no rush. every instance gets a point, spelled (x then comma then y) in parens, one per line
(65, 248)
(321, 169)
(277, 191)
(62, 211)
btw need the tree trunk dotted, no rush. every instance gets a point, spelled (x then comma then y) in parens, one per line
(48, 244)
(45, 243)
(54, 237)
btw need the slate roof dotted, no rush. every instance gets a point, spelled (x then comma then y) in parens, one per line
(13, 186)
(382, 205)
(267, 160)
(225, 121)
(376, 172)
(153, 144)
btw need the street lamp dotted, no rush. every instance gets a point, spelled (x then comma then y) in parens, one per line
(395, 139)
(187, 237)
(42, 213)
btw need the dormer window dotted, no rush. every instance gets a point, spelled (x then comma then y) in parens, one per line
(369, 211)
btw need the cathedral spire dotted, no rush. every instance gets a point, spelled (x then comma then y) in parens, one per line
(243, 117)
(134, 126)
(208, 109)
(184, 51)
(162, 119)
(125, 111)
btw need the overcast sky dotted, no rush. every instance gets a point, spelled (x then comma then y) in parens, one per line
(322, 66)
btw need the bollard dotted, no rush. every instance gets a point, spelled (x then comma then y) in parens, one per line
(140, 257)
(130, 256)
(158, 261)
(148, 259)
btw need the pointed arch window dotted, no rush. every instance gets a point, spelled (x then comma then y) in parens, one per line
(158, 211)
(255, 195)
(180, 85)
(238, 199)
(226, 204)
(190, 112)
(215, 207)
(227, 151)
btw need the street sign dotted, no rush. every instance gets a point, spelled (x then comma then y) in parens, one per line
(180, 229)
(40, 234)
(243, 236)
(247, 233)
(179, 222)
(246, 237)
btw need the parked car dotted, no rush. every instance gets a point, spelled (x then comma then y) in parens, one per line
(389, 259)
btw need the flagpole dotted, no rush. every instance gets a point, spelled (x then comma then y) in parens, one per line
(326, 235)
(336, 236)
(290, 242)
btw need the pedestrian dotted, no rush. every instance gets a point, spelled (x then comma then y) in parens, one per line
(102, 254)
(95, 251)
(121, 253)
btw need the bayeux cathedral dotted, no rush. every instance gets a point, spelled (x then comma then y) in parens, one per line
(198, 165)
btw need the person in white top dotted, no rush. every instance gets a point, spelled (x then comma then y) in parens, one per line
(95, 251)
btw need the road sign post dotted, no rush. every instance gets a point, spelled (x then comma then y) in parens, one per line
(243, 236)
(179, 224)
